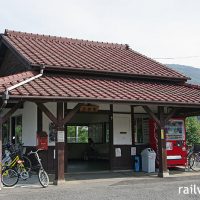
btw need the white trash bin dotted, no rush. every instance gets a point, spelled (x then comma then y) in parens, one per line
(148, 160)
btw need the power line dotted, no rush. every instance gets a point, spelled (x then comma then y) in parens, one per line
(173, 58)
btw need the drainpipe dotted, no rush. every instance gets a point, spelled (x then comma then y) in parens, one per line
(6, 93)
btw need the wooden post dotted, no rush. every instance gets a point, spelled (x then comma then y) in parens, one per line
(60, 146)
(111, 136)
(66, 143)
(132, 125)
(163, 171)
(39, 120)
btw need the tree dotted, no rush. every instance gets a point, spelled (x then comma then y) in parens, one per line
(192, 130)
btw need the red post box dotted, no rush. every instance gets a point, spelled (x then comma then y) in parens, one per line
(42, 140)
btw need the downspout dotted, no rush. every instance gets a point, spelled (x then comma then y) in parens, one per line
(6, 93)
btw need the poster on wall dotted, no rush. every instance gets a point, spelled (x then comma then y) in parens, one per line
(118, 152)
(52, 133)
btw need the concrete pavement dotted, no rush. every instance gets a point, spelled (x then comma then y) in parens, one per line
(121, 185)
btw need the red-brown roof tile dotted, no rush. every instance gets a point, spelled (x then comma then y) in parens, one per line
(65, 53)
(101, 89)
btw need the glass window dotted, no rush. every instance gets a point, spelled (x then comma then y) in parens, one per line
(5, 132)
(141, 129)
(52, 132)
(81, 134)
(107, 133)
(96, 133)
(77, 134)
(175, 130)
(17, 129)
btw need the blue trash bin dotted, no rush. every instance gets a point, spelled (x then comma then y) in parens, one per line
(136, 163)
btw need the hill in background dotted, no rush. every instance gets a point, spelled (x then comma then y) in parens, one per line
(192, 72)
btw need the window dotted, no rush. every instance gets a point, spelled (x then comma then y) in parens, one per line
(81, 134)
(107, 127)
(96, 133)
(141, 129)
(77, 134)
(5, 132)
(17, 129)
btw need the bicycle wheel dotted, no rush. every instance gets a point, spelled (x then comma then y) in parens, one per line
(9, 177)
(27, 163)
(194, 162)
(23, 173)
(43, 178)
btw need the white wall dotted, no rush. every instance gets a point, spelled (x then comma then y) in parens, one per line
(122, 124)
(29, 124)
(121, 108)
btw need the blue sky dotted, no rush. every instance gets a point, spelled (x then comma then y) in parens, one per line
(156, 28)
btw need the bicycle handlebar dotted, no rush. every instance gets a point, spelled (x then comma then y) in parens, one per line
(33, 152)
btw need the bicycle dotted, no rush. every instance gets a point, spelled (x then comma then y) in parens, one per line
(12, 168)
(10, 149)
(9, 176)
(14, 162)
(42, 175)
(194, 158)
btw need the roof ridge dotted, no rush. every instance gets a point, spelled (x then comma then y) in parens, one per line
(16, 77)
(65, 39)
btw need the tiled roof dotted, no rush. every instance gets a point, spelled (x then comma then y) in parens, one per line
(101, 89)
(65, 53)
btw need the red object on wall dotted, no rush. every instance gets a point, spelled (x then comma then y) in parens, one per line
(42, 140)
(175, 141)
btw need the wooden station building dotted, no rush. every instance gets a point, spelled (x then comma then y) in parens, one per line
(77, 89)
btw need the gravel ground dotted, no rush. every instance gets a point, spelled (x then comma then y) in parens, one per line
(122, 187)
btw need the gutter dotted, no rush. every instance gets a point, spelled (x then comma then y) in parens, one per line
(6, 95)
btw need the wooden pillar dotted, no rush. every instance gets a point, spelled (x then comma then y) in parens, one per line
(163, 171)
(132, 125)
(111, 137)
(39, 120)
(66, 144)
(60, 146)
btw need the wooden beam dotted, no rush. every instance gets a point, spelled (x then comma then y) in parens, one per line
(46, 111)
(183, 112)
(11, 111)
(150, 112)
(71, 114)
(171, 114)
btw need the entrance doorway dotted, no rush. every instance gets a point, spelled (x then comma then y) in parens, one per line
(88, 143)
